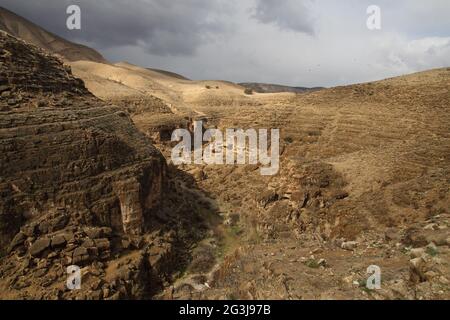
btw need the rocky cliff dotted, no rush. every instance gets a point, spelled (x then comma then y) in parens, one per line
(81, 186)
(64, 152)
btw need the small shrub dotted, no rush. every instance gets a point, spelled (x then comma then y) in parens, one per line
(208, 87)
(431, 251)
(248, 91)
(288, 140)
(311, 263)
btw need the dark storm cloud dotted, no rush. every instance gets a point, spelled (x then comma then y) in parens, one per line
(258, 40)
(294, 15)
(174, 27)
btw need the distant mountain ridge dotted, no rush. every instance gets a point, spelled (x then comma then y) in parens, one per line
(26, 30)
(275, 88)
(169, 73)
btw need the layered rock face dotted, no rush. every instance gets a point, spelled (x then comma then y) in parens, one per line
(66, 158)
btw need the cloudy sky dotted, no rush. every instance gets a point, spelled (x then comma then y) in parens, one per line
(293, 42)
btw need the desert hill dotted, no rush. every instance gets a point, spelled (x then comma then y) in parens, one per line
(137, 80)
(30, 32)
(274, 88)
(169, 73)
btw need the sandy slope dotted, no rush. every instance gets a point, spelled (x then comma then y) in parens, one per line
(113, 81)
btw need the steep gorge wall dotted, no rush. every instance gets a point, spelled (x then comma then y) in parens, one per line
(63, 150)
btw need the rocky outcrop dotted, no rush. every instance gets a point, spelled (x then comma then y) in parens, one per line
(81, 186)
(64, 153)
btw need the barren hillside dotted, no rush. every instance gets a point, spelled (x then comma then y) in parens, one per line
(364, 180)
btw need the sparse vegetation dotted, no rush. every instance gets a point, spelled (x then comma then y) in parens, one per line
(312, 263)
(248, 91)
(432, 251)
(288, 140)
